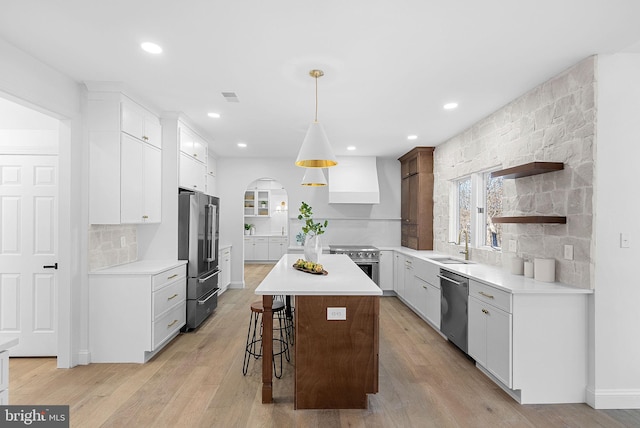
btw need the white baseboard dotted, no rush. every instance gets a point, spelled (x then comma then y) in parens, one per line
(613, 398)
(237, 284)
(84, 357)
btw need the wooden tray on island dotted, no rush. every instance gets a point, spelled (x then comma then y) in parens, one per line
(324, 272)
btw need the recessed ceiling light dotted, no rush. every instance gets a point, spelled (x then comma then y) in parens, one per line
(450, 106)
(412, 137)
(214, 115)
(351, 148)
(243, 145)
(152, 48)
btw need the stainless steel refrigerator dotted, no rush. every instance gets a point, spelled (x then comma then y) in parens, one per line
(198, 220)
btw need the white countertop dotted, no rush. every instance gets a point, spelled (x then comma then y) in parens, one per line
(141, 267)
(496, 276)
(272, 235)
(8, 343)
(345, 278)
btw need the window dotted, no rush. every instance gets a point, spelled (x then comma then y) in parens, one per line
(474, 201)
(493, 208)
(464, 206)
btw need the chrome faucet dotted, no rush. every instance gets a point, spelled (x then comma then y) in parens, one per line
(466, 243)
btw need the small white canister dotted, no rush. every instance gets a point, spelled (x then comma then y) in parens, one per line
(528, 269)
(517, 265)
(545, 270)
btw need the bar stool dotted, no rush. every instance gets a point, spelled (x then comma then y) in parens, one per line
(280, 342)
(289, 313)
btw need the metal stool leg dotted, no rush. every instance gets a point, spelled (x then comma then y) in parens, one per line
(250, 348)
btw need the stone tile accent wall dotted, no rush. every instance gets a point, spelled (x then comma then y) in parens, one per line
(104, 245)
(554, 122)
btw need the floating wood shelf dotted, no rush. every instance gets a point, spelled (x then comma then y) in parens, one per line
(531, 219)
(528, 169)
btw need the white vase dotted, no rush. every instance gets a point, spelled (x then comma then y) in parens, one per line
(312, 248)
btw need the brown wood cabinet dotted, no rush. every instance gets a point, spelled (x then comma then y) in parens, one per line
(336, 361)
(416, 207)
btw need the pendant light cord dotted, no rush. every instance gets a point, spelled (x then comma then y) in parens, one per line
(316, 77)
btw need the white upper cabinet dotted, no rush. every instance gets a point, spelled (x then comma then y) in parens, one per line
(193, 145)
(140, 123)
(125, 161)
(211, 175)
(194, 164)
(140, 182)
(192, 174)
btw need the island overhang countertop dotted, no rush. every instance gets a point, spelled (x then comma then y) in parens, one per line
(344, 278)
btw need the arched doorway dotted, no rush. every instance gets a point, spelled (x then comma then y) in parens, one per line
(266, 225)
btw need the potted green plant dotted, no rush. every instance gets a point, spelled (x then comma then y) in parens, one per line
(247, 228)
(300, 238)
(312, 230)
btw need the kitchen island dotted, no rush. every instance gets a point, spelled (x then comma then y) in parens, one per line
(336, 331)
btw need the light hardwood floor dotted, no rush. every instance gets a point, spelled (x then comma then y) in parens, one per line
(196, 381)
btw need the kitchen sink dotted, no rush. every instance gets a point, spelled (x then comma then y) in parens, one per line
(450, 261)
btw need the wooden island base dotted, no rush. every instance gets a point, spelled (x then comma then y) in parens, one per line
(336, 360)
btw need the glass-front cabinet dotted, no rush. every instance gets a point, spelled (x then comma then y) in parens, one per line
(256, 203)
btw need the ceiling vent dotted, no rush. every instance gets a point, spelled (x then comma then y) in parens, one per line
(231, 97)
(354, 181)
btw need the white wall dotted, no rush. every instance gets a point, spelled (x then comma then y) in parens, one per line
(348, 223)
(615, 317)
(29, 82)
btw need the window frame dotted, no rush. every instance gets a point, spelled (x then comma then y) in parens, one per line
(478, 203)
(485, 181)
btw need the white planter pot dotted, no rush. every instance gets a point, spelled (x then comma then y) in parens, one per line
(312, 248)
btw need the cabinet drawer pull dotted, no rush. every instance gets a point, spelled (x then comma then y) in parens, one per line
(172, 297)
(172, 276)
(172, 323)
(486, 295)
(145, 138)
(484, 311)
(195, 155)
(424, 286)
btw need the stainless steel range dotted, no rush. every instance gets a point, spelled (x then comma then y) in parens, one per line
(367, 257)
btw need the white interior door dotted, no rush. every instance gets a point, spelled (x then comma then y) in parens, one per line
(28, 252)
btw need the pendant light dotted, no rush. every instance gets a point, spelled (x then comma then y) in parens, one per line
(314, 177)
(315, 151)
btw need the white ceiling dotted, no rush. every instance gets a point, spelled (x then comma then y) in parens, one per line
(389, 65)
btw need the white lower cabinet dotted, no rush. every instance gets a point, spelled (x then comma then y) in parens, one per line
(277, 247)
(259, 248)
(409, 283)
(428, 290)
(428, 301)
(135, 310)
(386, 271)
(399, 270)
(490, 339)
(224, 264)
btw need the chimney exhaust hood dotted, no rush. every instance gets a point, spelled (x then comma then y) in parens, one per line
(354, 181)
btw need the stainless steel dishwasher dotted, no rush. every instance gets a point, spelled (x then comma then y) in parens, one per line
(453, 307)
